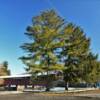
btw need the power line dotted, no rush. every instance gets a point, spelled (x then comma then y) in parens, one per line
(53, 6)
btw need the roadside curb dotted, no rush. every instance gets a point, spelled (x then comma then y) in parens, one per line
(71, 90)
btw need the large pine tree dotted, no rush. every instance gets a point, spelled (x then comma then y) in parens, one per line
(74, 52)
(44, 33)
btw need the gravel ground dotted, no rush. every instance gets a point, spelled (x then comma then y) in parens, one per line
(32, 96)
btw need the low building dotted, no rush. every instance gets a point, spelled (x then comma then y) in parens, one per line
(15, 81)
(19, 82)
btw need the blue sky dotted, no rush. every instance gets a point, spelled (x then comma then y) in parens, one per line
(16, 15)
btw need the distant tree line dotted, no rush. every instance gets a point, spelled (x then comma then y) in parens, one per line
(4, 69)
(57, 45)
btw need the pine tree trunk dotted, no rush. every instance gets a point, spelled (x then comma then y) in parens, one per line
(48, 81)
(47, 88)
(66, 86)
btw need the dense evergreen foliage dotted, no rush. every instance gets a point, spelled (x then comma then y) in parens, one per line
(59, 46)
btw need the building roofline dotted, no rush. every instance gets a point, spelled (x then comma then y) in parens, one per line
(15, 76)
